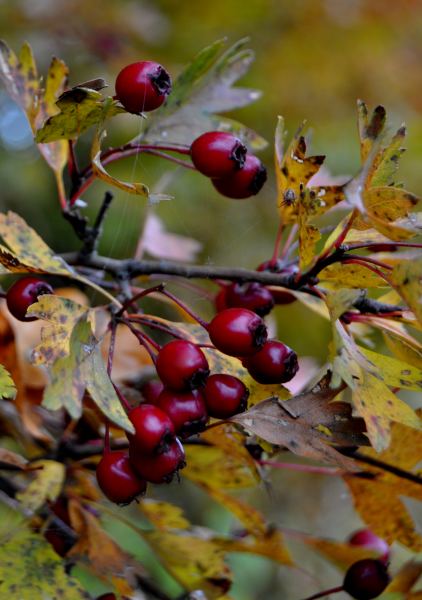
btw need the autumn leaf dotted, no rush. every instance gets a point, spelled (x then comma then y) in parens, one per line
(407, 576)
(7, 386)
(29, 569)
(341, 554)
(270, 544)
(203, 89)
(379, 500)
(407, 280)
(341, 275)
(8, 458)
(394, 373)
(47, 483)
(163, 515)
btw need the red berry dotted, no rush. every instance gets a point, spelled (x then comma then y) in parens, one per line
(217, 154)
(142, 86)
(274, 363)
(220, 299)
(273, 266)
(153, 428)
(23, 293)
(278, 266)
(245, 182)
(187, 410)
(252, 295)
(107, 597)
(237, 332)
(151, 390)
(225, 396)
(158, 468)
(369, 540)
(181, 365)
(366, 579)
(117, 479)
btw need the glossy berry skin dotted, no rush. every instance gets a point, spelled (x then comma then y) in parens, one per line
(187, 410)
(274, 363)
(158, 468)
(151, 390)
(245, 182)
(153, 428)
(218, 154)
(23, 293)
(142, 86)
(366, 579)
(237, 332)
(251, 295)
(365, 538)
(117, 479)
(181, 365)
(225, 396)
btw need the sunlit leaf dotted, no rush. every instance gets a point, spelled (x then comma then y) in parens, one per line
(394, 373)
(163, 515)
(341, 554)
(370, 129)
(404, 348)
(340, 275)
(7, 386)
(202, 90)
(47, 484)
(407, 280)
(29, 569)
(407, 576)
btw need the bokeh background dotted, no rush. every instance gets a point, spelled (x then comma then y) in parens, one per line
(314, 59)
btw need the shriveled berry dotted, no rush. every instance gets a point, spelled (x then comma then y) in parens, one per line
(154, 430)
(117, 479)
(142, 86)
(23, 293)
(366, 538)
(187, 410)
(245, 182)
(225, 395)
(181, 365)
(218, 154)
(151, 390)
(237, 332)
(251, 295)
(158, 468)
(274, 363)
(366, 579)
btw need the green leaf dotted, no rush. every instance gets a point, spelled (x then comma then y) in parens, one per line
(47, 484)
(202, 91)
(7, 386)
(83, 369)
(30, 569)
(80, 108)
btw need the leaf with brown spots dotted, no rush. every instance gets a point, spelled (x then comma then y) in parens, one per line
(163, 515)
(48, 481)
(370, 129)
(379, 500)
(341, 275)
(407, 280)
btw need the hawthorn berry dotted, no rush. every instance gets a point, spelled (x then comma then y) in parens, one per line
(23, 293)
(142, 86)
(366, 579)
(158, 468)
(181, 365)
(245, 182)
(237, 332)
(109, 596)
(274, 363)
(187, 410)
(150, 390)
(217, 154)
(220, 298)
(153, 428)
(225, 395)
(117, 479)
(279, 295)
(251, 295)
(369, 540)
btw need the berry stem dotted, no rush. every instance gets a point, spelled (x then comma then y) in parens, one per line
(289, 241)
(335, 590)
(143, 339)
(122, 399)
(154, 325)
(107, 438)
(374, 462)
(277, 243)
(138, 296)
(368, 259)
(335, 245)
(393, 245)
(184, 307)
(352, 261)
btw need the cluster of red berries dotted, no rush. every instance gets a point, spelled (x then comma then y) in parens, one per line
(225, 159)
(177, 407)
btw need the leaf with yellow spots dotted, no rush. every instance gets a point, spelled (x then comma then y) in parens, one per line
(371, 397)
(29, 569)
(194, 561)
(163, 515)
(83, 369)
(47, 484)
(341, 275)
(406, 277)
(7, 386)
(211, 465)
(379, 499)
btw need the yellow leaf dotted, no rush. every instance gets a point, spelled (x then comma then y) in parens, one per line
(30, 569)
(389, 203)
(406, 578)
(340, 275)
(406, 277)
(340, 301)
(20, 77)
(47, 485)
(407, 350)
(196, 562)
(341, 554)
(213, 466)
(163, 515)
(271, 545)
(369, 129)
(394, 373)
(7, 386)
(309, 235)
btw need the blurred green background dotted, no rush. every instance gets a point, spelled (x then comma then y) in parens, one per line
(314, 59)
